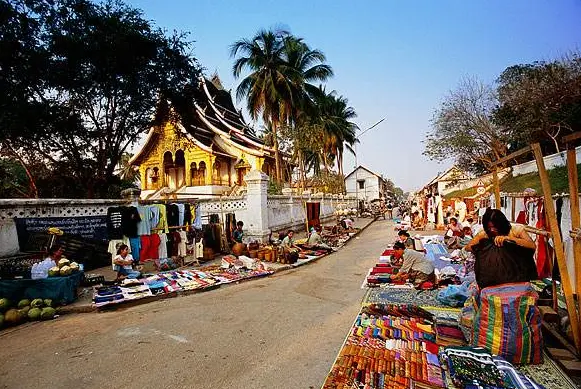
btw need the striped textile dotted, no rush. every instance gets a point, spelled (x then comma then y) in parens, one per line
(508, 323)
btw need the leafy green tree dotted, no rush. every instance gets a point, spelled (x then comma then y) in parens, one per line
(540, 102)
(83, 81)
(463, 130)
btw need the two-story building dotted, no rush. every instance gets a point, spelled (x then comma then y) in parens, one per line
(366, 185)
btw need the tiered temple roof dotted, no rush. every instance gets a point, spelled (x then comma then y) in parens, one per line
(215, 126)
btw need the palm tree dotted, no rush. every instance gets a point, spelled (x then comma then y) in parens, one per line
(268, 88)
(278, 87)
(335, 119)
(310, 67)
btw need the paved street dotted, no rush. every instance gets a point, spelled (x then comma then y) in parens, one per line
(278, 332)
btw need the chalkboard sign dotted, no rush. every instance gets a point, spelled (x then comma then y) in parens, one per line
(89, 227)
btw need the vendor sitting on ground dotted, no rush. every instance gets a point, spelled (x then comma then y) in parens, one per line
(316, 240)
(416, 267)
(237, 234)
(404, 237)
(417, 222)
(288, 241)
(453, 234)
(347, 224)
(466, 234)
(122, 264)
(315, 237)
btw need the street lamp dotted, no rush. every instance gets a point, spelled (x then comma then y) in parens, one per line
(354, 151)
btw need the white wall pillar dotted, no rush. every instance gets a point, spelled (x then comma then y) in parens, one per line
(256, 223)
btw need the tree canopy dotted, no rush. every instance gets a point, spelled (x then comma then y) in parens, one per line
(82, 82)
(478, 124)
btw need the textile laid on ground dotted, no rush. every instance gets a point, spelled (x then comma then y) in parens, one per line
(172, 281)
(389, 346)
(422, 298)
(548, 374)
(472, 366)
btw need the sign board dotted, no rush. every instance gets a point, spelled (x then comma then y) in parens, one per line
(89, 227)
(480, 188)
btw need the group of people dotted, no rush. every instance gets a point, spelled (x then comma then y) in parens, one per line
(495, 229)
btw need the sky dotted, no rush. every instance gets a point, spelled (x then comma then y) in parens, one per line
(392, 59)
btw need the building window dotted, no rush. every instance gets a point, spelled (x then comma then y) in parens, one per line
(361, 184)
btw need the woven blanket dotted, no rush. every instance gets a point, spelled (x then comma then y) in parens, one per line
(422, 298)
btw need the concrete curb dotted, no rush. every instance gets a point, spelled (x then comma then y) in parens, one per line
(128, 304)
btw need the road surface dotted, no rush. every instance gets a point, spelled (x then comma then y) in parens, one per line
(283, 331)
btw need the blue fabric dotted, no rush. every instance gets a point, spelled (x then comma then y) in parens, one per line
(144, 226)
(62, 290)
(135, 248)
(129, 273)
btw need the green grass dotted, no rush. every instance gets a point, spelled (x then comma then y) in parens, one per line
(557, 176)
(468, 192)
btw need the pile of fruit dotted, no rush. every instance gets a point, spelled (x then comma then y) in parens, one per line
(64, 268)
(25, 310)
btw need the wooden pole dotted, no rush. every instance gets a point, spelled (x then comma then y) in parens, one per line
(496, 187)
(558, 245)
(575, 216)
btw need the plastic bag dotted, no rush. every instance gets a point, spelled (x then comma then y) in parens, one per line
(454, 295)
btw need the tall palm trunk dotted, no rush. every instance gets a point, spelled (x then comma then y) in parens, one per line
(276, 154)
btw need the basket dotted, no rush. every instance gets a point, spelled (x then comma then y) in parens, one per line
(268, 255)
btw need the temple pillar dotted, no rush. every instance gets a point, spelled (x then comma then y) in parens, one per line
(188, 171)
(209, 168)
(256, 222)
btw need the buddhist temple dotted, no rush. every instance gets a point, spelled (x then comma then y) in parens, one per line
(207, 156)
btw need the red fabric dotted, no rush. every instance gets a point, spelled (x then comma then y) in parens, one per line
(543, 262)
(149, 247)
(144, 250)
(522, 217)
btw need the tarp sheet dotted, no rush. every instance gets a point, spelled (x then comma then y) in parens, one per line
(59, 289)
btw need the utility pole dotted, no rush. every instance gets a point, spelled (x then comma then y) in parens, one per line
(357, 166)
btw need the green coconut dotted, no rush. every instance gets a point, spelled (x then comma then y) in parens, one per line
(54, 271)
(34, 314)
(47, 302)
(66, 270)
(24, 310)
(37, 303)
(47, 313)
(64, 262)
(13, 317)
(23, 303)
(4, 305)
(74, 267)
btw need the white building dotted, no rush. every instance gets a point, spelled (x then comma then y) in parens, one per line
(365, 184)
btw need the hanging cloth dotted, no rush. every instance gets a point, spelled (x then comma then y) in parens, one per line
(543, 248)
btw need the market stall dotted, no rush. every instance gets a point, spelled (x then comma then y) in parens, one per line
(62, 289)
(409, 338)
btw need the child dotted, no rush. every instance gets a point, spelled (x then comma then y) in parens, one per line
(122, 264)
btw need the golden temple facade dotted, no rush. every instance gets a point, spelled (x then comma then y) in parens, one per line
(208, 156)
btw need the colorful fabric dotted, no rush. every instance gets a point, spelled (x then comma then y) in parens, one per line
(508, 323)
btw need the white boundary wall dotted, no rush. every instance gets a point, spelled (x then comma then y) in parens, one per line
(551, 161)
(261, 213)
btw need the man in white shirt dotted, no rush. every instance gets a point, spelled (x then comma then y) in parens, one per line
(460, 210)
